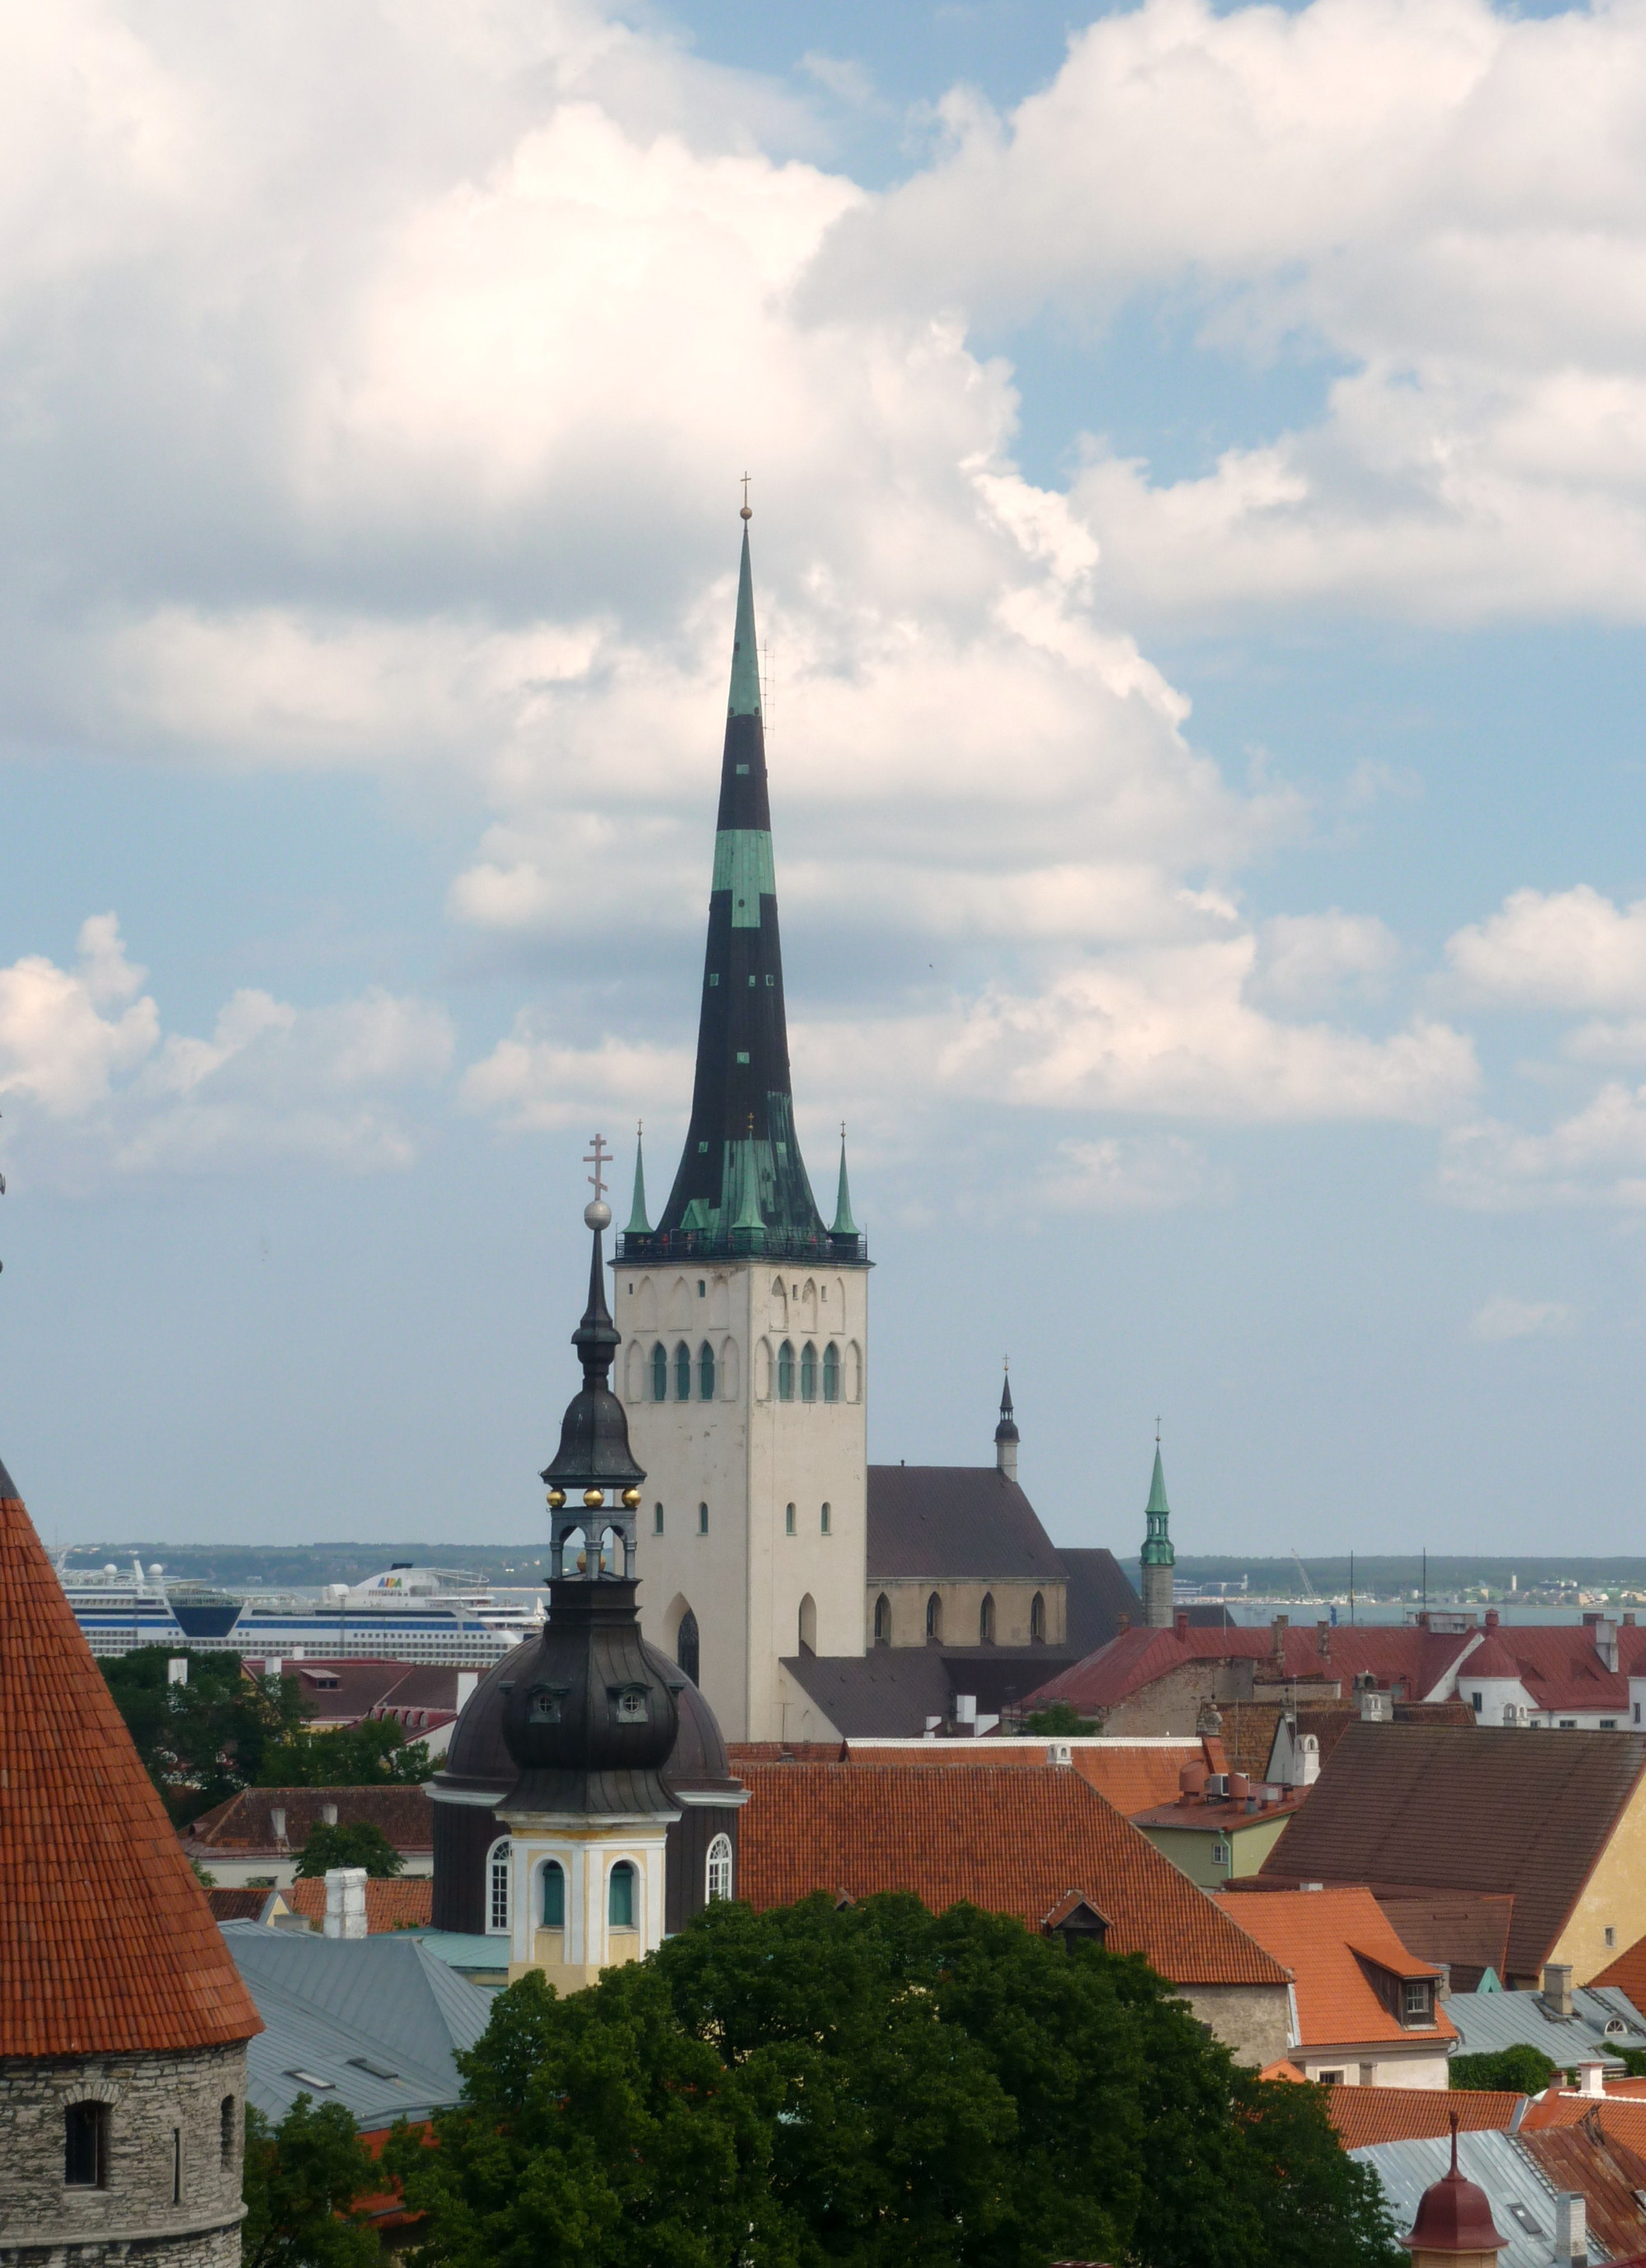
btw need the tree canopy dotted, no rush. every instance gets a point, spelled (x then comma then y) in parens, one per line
(1060, 1721)
(1520, 2070)
(356, 1844)
(204, 1741)
(302, 2180)
(365, 1755)
(878, 2086)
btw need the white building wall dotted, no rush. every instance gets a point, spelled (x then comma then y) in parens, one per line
(748, 1454)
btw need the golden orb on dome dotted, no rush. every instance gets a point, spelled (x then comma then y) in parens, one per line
(631, 1498)
(593, 1496)
(556, 1498)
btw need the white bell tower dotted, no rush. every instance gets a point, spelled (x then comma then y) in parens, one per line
(745, 1321)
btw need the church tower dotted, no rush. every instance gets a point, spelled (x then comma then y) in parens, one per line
(744, 1318)
(1158, 1557)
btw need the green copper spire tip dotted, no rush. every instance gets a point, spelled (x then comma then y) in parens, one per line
(745, 667)
(638, 1224)
(844, 1224)
(1158, 1487)
(1158, 1551)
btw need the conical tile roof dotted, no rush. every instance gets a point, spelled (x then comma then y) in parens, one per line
(107, 1943)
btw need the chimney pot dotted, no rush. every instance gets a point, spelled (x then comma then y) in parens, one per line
(1491, 1618)
(1557, 1987)
(1571, 2227)
(1181, 1622)
(346, 1902)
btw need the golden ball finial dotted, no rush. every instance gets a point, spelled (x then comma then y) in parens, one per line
(556, 1498)
(593, 1496)
(631, 1498)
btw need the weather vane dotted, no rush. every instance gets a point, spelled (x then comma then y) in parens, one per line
(599, 1157)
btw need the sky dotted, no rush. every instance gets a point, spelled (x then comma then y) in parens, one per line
(1198, 459)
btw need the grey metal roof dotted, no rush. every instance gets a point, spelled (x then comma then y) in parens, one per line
(1489, 2021)
(1496, 2162)
(379, 2019)
(1098, 1591)
(955, 1523)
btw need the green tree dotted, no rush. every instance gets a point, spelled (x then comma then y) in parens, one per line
(1061, 1721)
(302, 2180)
(367, 1755)
(1521, 2070)
(204, 1741)
(357, 1844)
(877, 2086)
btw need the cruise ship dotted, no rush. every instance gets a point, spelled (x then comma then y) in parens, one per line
(404, 1614)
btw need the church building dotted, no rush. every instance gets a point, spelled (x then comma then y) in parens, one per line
(807, 1594)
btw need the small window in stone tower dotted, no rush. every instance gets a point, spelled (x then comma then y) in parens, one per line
(809, 1372)
(934, 1617)
(620, 1911)
(827, 1520)
(1037, 1620)
(786, 1371)
(986, 1620)
(628, 1704)
(883, 1620)
(686, 1646)
(682, 1373)
(789, 1519)
(177, 2165)
(85, 2146)
(831, 1372)
(660, 1373)
(705, 1372)
(719, 1884)
(656, 1520)
(703, 1520)
(226, 2130)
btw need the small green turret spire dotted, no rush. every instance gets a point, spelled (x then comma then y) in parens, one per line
(1157, 1556)
(844, 1224)
(638, 1224)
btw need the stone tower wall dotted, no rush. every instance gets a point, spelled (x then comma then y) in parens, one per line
(134, 2217)
(1156, 1591)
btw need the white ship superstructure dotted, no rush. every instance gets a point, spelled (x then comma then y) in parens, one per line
(403, 1614)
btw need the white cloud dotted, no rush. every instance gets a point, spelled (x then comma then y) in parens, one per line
(1506, 1317)
(1305, 960)
(1566, 949)
(101, 1089)
(531, 1081)
(1596, 1157)
(1117, 1175)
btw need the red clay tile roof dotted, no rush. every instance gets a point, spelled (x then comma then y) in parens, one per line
(107, 1946)
(1365, 2115)
(1417, 1658)
(1318, 1934)
(1627, 1972)
(1219, 1818)
(1445, 1808)
(1132, 1776)
(237, 1904)
(400, 1904)
(1467, 1929)
(243, 1824)
(1013, 1839)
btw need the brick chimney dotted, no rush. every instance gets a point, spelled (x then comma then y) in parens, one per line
(345, 1902)
(1180, 1623)
(1323, 1640)
(1571, 2230)
(1557, 1987)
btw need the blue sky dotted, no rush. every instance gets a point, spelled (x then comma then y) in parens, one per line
(1199, 460)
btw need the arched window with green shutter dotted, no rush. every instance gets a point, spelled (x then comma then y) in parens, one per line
(831, 1372)
(705, 1372)
(660, 1373)
(786, 1371)
(619, 1903)
(553, 1895)
(809, 1372)
(682, 1373)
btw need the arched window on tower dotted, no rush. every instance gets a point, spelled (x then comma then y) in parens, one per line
(682, 1373)
(786, 1371)
(620, 1899)
(934, 1619)
(808, 1625)
(553, 1895)
(705, 1372)
(809, 1372)
(497, 1889)
(883, 1620)
(986, 1620)
(1037, 1620)
(831, 1372)
(720, 1871)
(686, 1646)
(660, 1373)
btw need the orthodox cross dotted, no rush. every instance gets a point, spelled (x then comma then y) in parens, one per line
(599, 1157)
(745, 513)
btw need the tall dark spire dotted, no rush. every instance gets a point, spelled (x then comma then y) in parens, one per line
(741, 1185)
(594, 1466)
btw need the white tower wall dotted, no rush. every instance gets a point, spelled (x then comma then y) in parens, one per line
(748, 1454)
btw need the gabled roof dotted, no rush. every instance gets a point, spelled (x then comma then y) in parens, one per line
(1627, 1972)
(1365, 2115)
(107, 1943)
(1604, 2021)
(243, 1823)
(1096, 1592)
(400, 1904)
(890, 1689)
(335, 2007)
(956, 1523)
(1132, 1775)
(1408, 1655)
(1486, 1809)
(1011, 1839)
(1467, 1930)
(1325, 1937)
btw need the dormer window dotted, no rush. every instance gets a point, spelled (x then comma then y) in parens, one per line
(1417, 2001)
(628, 1704)
(542, 1704)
